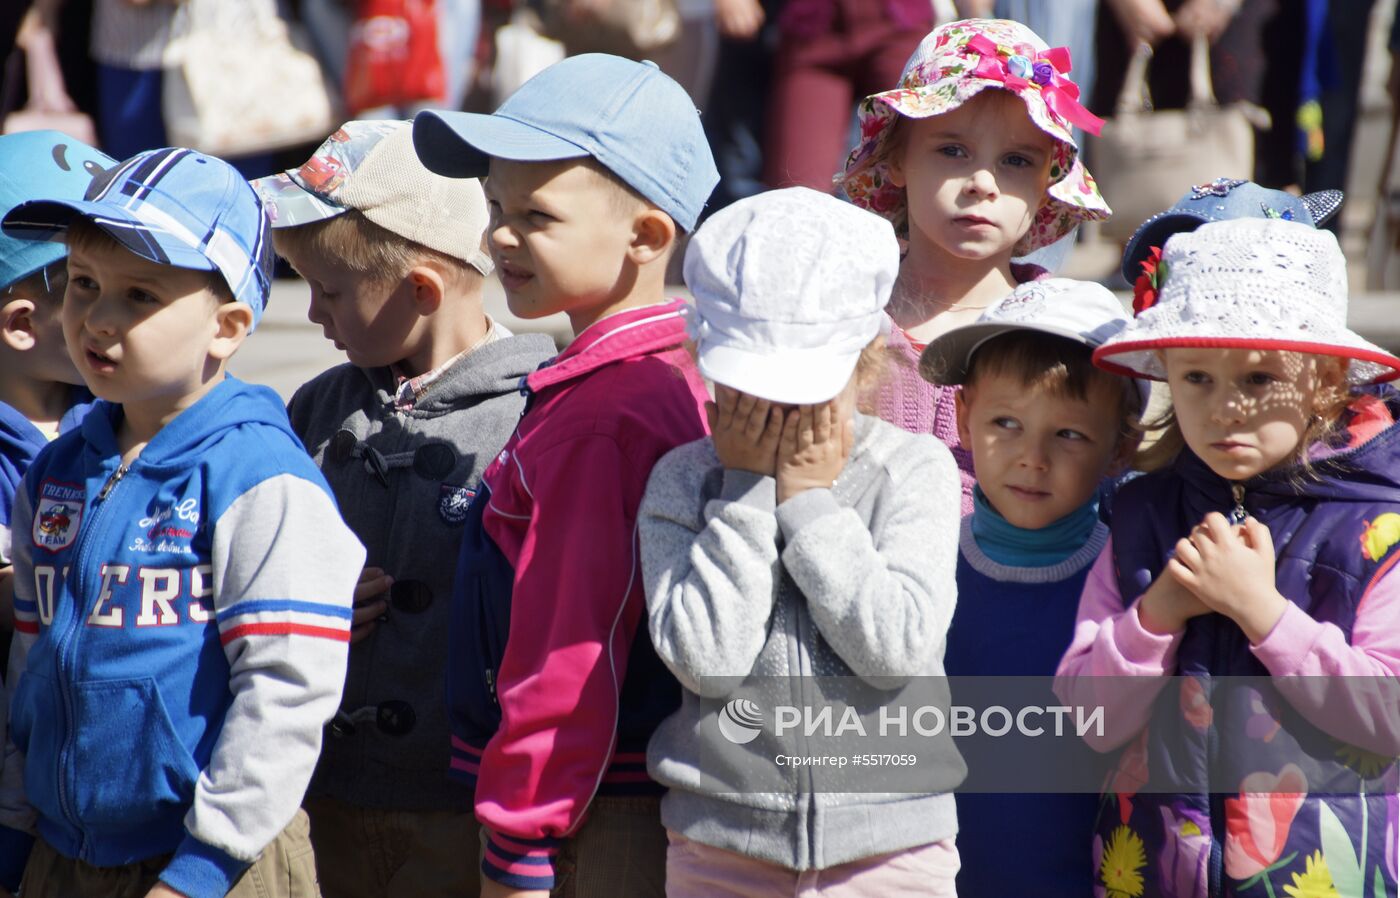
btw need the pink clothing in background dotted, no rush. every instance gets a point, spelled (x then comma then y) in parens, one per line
(909, 402)
(696, 870)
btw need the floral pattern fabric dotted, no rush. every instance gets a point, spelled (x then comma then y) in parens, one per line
(944, 73)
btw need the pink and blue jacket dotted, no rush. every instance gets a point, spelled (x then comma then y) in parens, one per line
(553, 686)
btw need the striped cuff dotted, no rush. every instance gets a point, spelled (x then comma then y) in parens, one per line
(520, 863)
(465, 761)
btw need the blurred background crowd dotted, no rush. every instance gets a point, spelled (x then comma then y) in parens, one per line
(1295, 94)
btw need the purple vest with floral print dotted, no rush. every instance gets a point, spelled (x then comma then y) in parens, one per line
(1222, 720)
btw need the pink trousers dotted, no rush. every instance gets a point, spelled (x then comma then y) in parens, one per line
(694, 870)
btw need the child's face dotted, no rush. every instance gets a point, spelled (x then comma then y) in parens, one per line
(974, 177)
(1244, 411)
(139, 332)
(1039, 454)
(373, 321)
(559, 238)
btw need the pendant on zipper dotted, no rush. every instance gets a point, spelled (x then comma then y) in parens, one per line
(1238, 514)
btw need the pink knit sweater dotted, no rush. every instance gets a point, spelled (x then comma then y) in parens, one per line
(907, 400)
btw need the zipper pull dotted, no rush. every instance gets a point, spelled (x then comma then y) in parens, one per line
(1238, 514)
(491, 685)
(117, 475)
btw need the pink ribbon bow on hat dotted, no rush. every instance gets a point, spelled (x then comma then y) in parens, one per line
(1046, 71)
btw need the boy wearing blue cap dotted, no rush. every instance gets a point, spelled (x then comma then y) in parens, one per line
(553, 686)
(182, 577)
(41, 394)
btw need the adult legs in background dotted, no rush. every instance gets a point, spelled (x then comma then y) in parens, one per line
(128, 110)
(735, 112)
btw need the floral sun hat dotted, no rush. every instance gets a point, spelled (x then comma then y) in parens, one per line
(953, 64)
(1249, 283)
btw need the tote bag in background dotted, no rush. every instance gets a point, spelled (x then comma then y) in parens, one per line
(1145, 159)
(634, 29)
(238, 80)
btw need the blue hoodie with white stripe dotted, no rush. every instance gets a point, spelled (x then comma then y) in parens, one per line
(181, 624)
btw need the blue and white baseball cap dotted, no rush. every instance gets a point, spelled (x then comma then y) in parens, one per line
(42, 165)
(174, 207)
(630, 116)
(1225, 199)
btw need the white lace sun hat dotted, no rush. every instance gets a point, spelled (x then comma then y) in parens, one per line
(1248, 284)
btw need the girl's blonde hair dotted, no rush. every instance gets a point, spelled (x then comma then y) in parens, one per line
(1164, 441)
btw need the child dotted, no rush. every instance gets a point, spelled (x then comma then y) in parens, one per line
(393, 256)
(40, 389)
(1044, 427)
(183, 583)
(553, 687)
(970, 177)
(1246, 323)
(802, 536)
(41, 392)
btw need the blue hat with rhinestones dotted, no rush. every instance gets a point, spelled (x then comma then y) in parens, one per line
(1221, 200)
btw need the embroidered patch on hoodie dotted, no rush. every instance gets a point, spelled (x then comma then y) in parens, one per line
(453, 502)
(57, 515)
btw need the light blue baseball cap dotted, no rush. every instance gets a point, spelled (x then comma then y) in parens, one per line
(630, 116)
(41, 165)
(174, 207)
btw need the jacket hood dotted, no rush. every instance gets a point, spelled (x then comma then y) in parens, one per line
(495, 368)
(186, 439)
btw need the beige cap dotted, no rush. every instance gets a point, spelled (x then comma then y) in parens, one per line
(371, 166)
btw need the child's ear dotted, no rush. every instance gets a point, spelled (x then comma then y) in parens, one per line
(233, 320)
(962, 401)
(429, 288)
(17, 324)
(653, 233)
(894, 167)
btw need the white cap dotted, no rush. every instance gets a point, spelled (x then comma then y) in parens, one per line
(789, 286)
(370, 166)
(1081, 311)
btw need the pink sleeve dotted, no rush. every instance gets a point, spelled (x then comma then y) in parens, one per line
(1113, 662)
(1348, 689)
(575, 608)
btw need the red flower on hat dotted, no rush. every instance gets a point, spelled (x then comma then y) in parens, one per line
(1145, 288)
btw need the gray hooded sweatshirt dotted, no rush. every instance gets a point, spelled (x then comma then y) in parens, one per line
(856, 580)
(403, 480)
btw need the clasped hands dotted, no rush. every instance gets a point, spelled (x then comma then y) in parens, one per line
(1217, 567)
(802, 447)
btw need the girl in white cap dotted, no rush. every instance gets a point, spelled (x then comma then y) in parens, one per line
(802, 548)
(1256, 567)
(972, 159)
